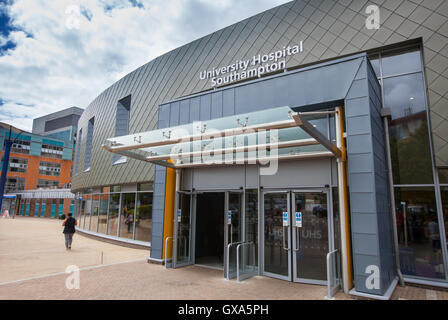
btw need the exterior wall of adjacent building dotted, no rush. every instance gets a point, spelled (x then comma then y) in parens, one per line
(414, 31)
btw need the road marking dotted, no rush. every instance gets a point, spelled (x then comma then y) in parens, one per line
(61, 273)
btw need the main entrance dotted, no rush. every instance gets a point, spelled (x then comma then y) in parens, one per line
(207, 223)
(296, 235)
(209, 238)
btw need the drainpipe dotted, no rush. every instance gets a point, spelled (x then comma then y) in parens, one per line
(386, 114)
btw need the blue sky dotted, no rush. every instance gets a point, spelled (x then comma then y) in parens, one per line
(55, 54)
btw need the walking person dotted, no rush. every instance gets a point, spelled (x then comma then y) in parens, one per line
(6, 214)
(69, 229)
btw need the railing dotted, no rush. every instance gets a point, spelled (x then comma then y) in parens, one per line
(242, 274)
(166, 251)
(228, 275)
(333, 273)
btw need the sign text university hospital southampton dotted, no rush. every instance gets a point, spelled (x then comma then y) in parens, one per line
(304, 143)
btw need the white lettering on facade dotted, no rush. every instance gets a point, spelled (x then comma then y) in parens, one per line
(252, 68)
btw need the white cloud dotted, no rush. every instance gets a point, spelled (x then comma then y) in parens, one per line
(61, 65)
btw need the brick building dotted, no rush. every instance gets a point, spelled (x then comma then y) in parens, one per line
(41, 164)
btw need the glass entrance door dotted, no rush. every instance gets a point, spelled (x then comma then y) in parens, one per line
(296, 237)
(183, 230)
(234, 225)
(277, 235)
(310, 236)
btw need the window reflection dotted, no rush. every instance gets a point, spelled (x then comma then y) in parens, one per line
(394, 64)
(102, 219)
(411, 160)
(418, 233)
(375, 61)
(143, 217)
(95, 208)
(443, 176)
(127, 215)
(114, 205)
(444, 192)
(88, 211)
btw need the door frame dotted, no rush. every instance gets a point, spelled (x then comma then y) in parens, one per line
(292, 267)
(262, 242)
(242, 192)
(176, 226)
(329, 231)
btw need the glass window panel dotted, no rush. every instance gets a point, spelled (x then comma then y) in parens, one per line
(418, 233)
(143, 218)
(114, 206)
(251, 229)
(82, 212)
(145, 186)
(95, 209)
(394, 64)
(443, 175)
(102, 221)
(88, 212)
(444, 192)
(409, 140)
(127, 215)
(375, 61)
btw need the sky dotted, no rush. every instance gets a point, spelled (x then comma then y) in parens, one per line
(64, 53)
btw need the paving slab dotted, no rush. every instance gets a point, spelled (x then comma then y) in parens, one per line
(33, 261)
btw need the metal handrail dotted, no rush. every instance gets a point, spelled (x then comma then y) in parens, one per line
(330, 291)
(228, 258)
(166, 250)
(238, 277)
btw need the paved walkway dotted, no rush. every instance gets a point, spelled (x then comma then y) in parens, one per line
(33, 248)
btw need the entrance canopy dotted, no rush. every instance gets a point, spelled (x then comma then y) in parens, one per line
(256, 137)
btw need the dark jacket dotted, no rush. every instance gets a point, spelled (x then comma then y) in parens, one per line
(69, 225)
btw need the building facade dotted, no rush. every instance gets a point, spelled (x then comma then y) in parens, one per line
(311, 56)
(39, 161)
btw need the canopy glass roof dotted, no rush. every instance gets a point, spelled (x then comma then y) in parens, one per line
(246, 138)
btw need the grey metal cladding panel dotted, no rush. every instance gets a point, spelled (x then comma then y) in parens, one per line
(217, 104)
(174, 114)
(195, 107)
(164, 117)
(205, 107)
(184, 112)
(228, 97)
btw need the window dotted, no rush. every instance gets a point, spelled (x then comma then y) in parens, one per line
(127, 216)
(114, 205)
(49, 168)
(18, 165)
(51, 151)
(89, 141)
(443, 176)
(411, 158)
(21, 146)
(419, 232)
(145, 186)
(78, 151)
(407, 62)
(122, 124)
(143, 216)
(51, 184)
(14, 184)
